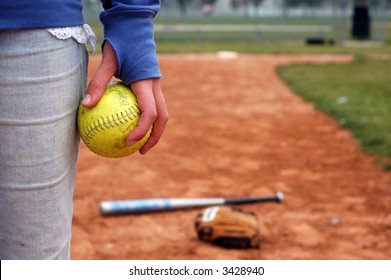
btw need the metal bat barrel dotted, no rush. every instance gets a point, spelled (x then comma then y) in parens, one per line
(149, 205)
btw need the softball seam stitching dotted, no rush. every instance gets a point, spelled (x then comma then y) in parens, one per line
(109, 122)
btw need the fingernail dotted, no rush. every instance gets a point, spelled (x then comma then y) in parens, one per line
(87, 99)
(131, 142)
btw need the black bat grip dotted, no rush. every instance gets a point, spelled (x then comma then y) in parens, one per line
(276, 198)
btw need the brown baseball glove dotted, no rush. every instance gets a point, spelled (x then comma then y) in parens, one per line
(229, 227)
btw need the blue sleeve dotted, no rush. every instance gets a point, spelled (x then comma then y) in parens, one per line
(128, 26)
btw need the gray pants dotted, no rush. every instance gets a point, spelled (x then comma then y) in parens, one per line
(42, 80)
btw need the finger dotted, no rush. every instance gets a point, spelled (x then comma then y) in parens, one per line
(144, 92)
(104, 73)
(160, 122)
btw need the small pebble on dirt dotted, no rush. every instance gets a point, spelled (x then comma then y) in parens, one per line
(334, 221)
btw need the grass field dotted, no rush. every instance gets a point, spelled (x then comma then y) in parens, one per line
(357, 95)
(252, 41)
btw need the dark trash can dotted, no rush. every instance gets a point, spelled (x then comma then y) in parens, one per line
(361, 22)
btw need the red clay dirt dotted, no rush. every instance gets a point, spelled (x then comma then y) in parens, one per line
(237, 130)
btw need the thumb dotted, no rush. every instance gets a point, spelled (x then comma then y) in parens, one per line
(97, 85)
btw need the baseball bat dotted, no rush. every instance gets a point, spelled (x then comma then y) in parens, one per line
(118, 207)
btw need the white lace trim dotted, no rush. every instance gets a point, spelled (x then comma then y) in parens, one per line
(82, 34)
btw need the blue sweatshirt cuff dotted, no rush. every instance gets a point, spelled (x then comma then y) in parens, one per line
(129, 29)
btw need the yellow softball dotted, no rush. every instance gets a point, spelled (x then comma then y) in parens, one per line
(105, 127)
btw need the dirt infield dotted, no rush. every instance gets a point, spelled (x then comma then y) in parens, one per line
(236, 130)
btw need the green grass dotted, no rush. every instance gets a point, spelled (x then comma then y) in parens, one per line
(357, 95)
(267, 48)
(244, 42)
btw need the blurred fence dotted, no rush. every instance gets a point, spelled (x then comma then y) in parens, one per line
(268, 21)
(271, 21)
